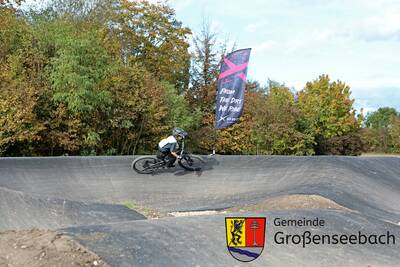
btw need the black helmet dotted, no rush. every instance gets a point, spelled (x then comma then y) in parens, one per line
(179, 132)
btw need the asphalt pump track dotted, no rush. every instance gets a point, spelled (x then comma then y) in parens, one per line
(82, 196)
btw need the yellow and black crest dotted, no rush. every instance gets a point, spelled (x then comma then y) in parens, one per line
(245, 237)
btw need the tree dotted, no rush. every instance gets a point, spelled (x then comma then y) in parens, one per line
(275, 129)
(142, 31)
(136, 121)
(206, 58)
(19, 127)
(10, 3)
(84, 77)
(381, 118)
(327, 110)
(151, 35)
(179, 112)
(394, 135)
(14, 32)
(78, 10)
(76, 71)
(80, 65)
(381, 130)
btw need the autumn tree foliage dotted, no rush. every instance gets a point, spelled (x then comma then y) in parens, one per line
(90, 78)
(276, 128)
(328, 113)
(107, 77)
(382, 131)
(19, 124)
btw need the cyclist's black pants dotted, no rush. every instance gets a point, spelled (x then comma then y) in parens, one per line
(167, 157)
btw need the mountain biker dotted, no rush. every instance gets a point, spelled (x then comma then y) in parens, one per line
(169, 146)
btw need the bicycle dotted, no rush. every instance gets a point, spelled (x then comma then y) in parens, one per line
(150, 164)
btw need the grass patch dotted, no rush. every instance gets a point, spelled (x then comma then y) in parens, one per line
(130, 204)
(148, 212)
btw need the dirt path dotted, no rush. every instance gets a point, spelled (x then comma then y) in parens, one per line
(292, 202)
(43, 248)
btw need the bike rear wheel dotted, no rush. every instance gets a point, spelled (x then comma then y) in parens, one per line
(145, 165)
(191, 162)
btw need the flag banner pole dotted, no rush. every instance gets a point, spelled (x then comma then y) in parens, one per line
(231, 87)
(215, 140)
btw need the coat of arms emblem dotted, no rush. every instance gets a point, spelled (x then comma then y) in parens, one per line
(245, 237)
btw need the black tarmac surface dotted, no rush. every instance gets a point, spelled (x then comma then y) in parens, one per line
(81, 193)
(200, 241)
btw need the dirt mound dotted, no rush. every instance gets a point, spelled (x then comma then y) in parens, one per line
(292, 202)
(43, 248)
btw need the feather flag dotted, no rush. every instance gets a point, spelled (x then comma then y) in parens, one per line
(231, 87)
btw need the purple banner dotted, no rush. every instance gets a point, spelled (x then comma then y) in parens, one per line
(231, 87)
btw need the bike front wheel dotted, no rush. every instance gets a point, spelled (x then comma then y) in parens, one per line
(145, 165)
(191, 162)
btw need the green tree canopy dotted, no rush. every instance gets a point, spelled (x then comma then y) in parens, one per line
(382, 130)
(327, 110)
(275, 116)
(114, 76)
(381, 118)
(327, 107)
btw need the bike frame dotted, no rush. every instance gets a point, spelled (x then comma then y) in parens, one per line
(181, 153)
(161, 164)
(183, 148)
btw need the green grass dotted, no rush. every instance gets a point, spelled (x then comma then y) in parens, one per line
(130, 204)
(148, 212)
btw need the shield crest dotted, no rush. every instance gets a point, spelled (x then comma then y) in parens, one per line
(245, 237)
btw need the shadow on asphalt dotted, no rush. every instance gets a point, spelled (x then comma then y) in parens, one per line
(210, 162)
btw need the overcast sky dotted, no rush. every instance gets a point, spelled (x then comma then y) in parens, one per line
(294, 41)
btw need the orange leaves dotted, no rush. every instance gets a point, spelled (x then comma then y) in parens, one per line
(151, 35)
(18, 122)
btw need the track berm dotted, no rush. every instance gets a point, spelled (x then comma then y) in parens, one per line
(82, 197)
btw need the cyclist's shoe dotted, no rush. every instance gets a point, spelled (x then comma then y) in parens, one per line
(170, 165)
